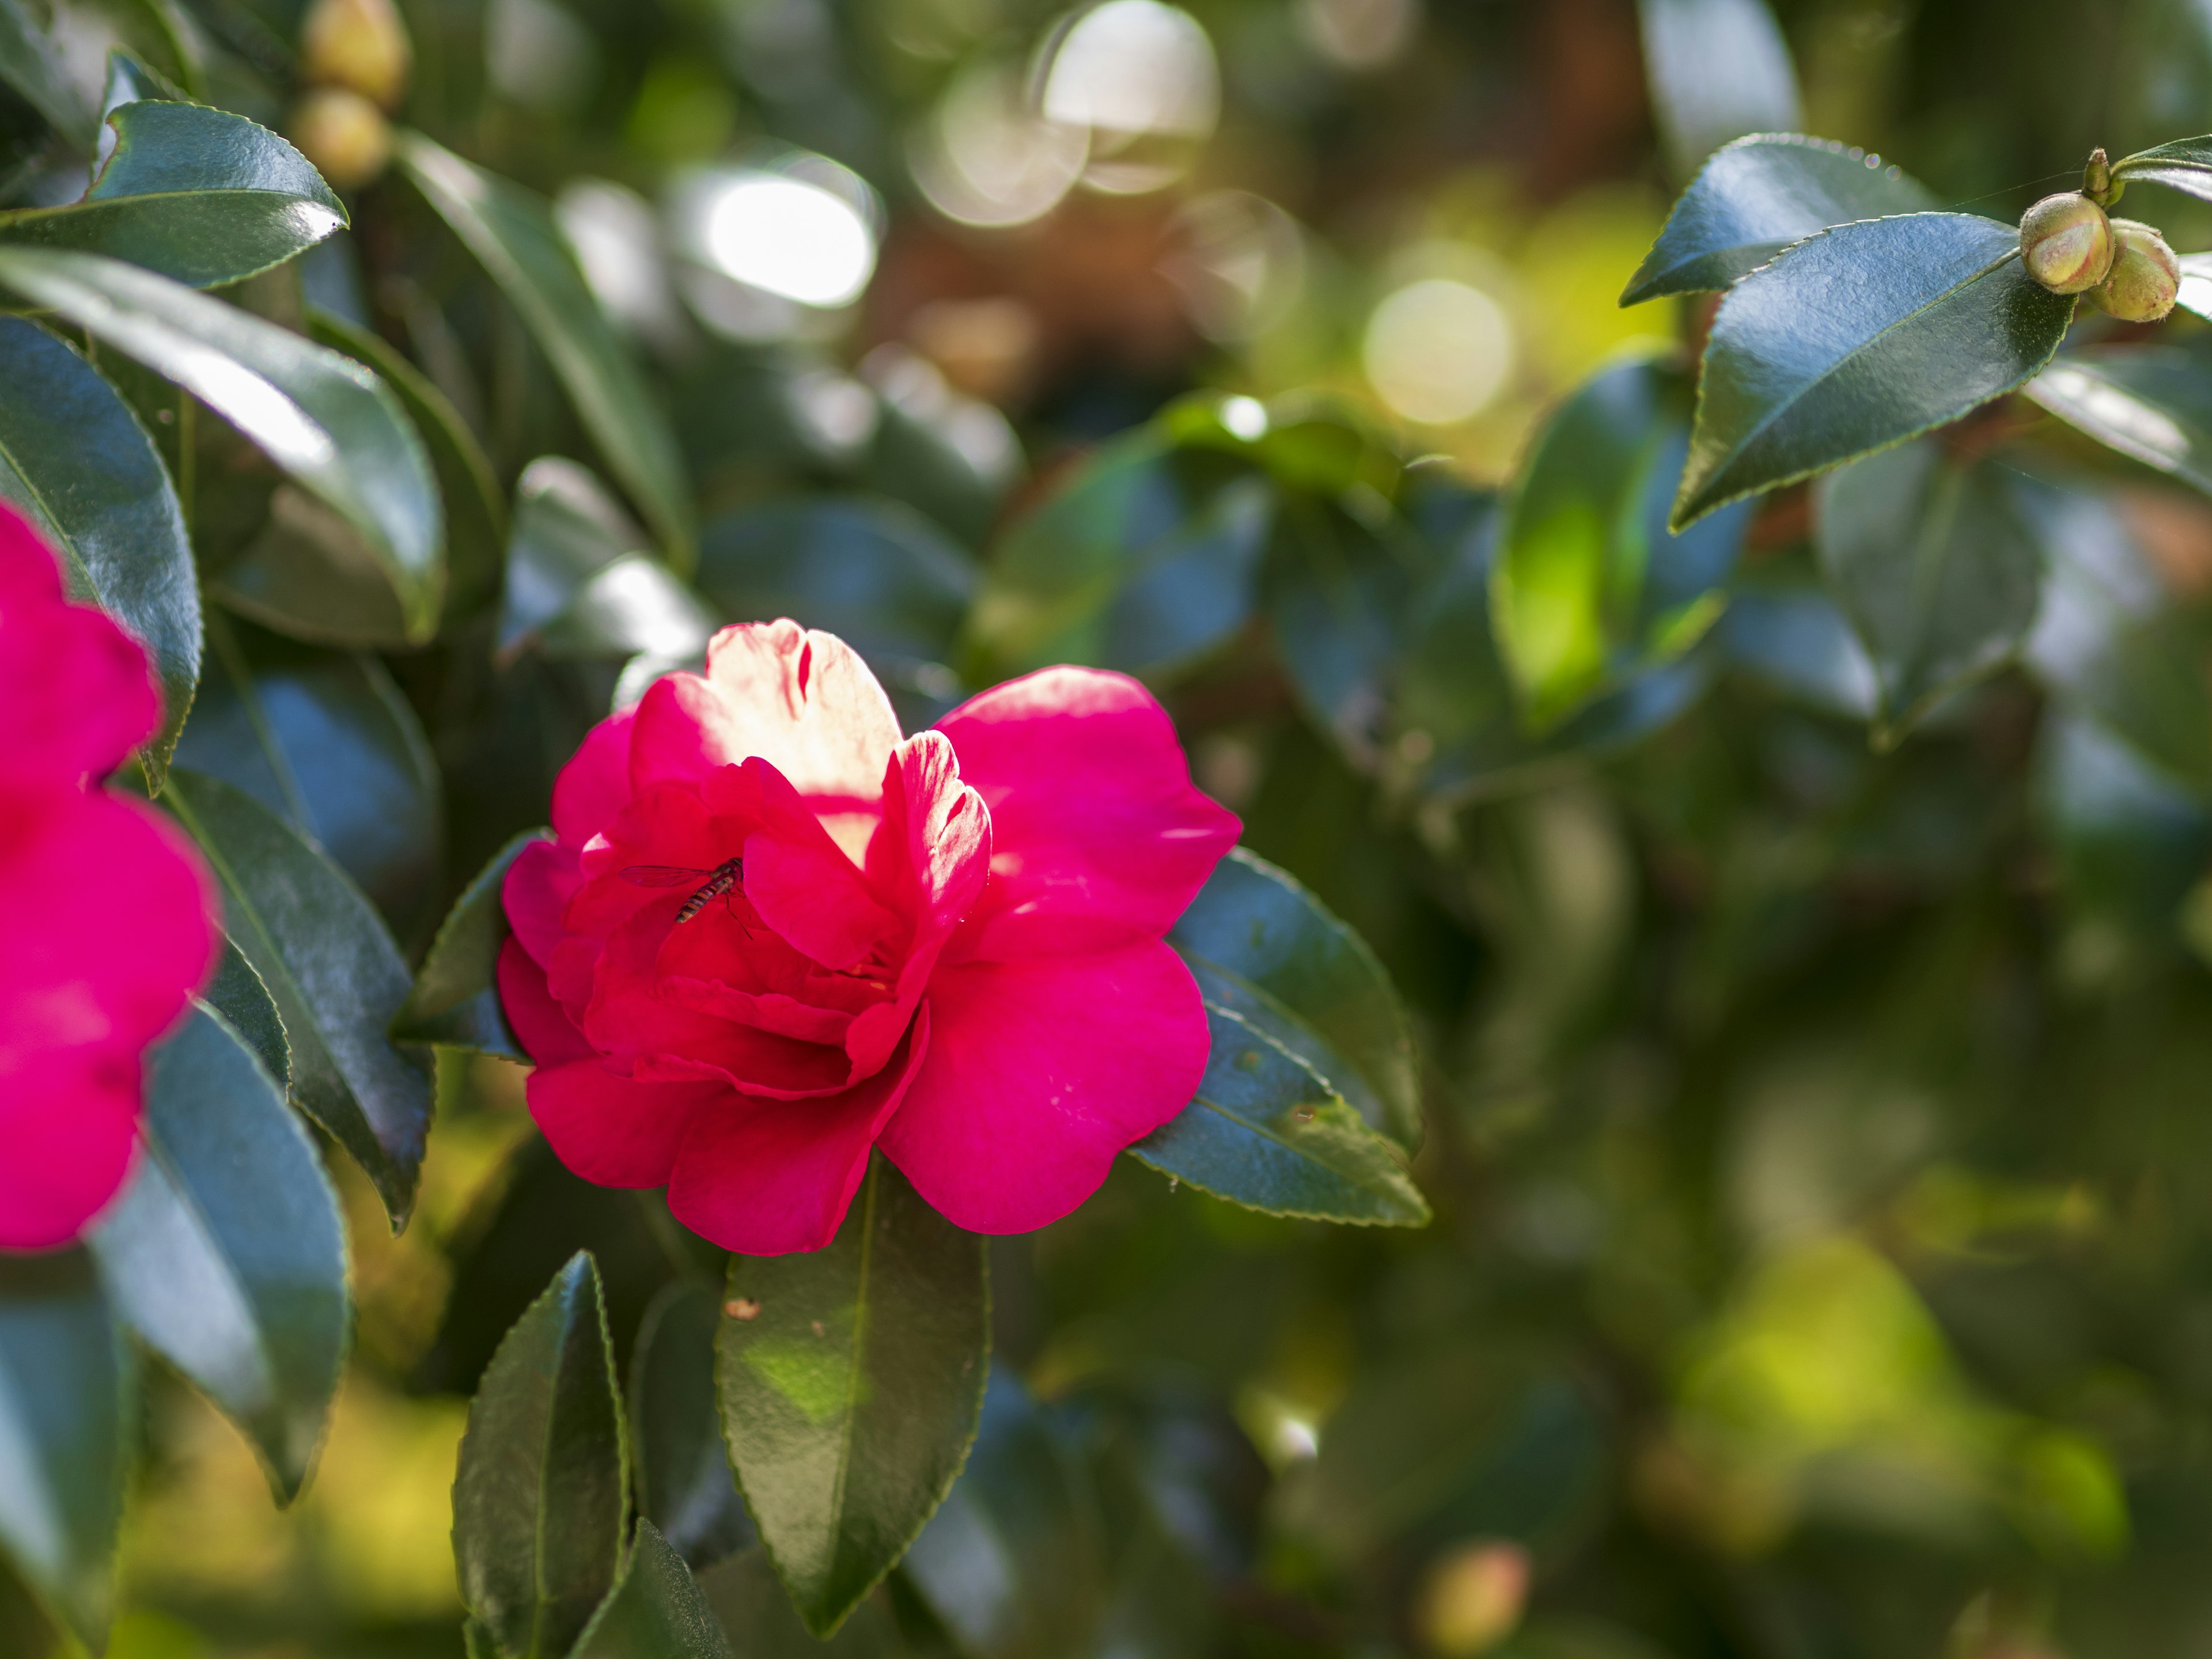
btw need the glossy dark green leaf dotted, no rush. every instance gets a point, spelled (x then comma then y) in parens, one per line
(850, 1397)
(657, 1612)
(761, 1623)
(1290, 968)
(326, 421)
(1589, 588)
(308, 574)
(226, 1253)
(198, 194)
(328, 742)
(1719, 70)
(1856, 339)
(876, 573)
(685, 1485)
(578, 587)
(512, 235)
(30, 62)
(1756, 197)
(2153, 404)
(333, 971)
(1141, 561)
(130, 80)
(2130, 842)
(1268, 1131)
(2109, 641)
(68, 1404)
(75, 459)
(1935, 567)
(455, 999)
(541, 1497)
(2186, 164)
(239, 994)
(1013, 1564)
(1339, 590)
(476, 511)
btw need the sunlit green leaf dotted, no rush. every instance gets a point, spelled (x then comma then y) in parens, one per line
(1268, 1132)
(541, 1499)
(334, 973)
(1756, 197)
(2186, 164)
(849, 1395)
(1919, 319)
(226, 1253)
(330, 424)
(200, 195)
(75, 459)
(455, 998)
(68, 1410)
(512, 235)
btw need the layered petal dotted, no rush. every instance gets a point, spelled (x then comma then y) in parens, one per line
(594, 785)
(535, 892)
(1038, 1072)
(613, 1130)
(768, 1177)
(77, 692)
(70, 1123)
(548, 1035)
(1098, 837)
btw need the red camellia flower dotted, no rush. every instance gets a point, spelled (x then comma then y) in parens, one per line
(772, 934)
(109, 927)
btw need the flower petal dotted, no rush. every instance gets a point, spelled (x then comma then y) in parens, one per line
(1038, 1074)
(803, 884)
(78, 690)
(594, 785)
(548, 1035)
(536, 888)
(1098, 837)
(69, 1123)
(802, 701)
(768, 1177)
(610, 1130)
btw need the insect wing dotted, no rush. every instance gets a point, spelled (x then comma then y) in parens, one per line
(663, 875)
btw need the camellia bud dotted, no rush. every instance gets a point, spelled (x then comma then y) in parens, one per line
(2066, 243)
(344, 135)
(359, 44)
(2145, 275)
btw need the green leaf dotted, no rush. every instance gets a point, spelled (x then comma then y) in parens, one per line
(1339, 590)
(1856, 339)
(1268, 1132)
(850, 1398)
(32, 64)
(1718, 69)
(2110, 643)
(197, 194)
(2153, 404)
(1288, 966)
(761, 1623)
(512, 235)
(1143, 560)
(334, 973)
(541, 1497)
(226, 1253)
(476, 511)
(238, 993)
(2130, 842)
(455, 997)
(876, 573)
(75, 459)
(327, 422)
(657, 1612)
(1936, 568)
(67, 1411)
(329, 743)
(1013, 1563)
(1790, 634)
(1589, 590)
(1756, 197)
(2186, 164)
(685, 1485)
(576, 585)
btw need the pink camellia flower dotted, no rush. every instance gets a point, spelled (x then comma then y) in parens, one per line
(773, 934)
(109, 914)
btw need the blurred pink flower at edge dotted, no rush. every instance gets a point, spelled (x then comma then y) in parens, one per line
(109, 913)
(950, 946)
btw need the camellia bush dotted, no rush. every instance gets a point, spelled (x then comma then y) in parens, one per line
(703, 960)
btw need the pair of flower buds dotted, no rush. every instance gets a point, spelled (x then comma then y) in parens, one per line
(2070, 246)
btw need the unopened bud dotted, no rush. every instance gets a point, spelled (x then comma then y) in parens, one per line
(2145, 275)
(344, 135)
(359, 44)
(2066, 243)
(2097, 181)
